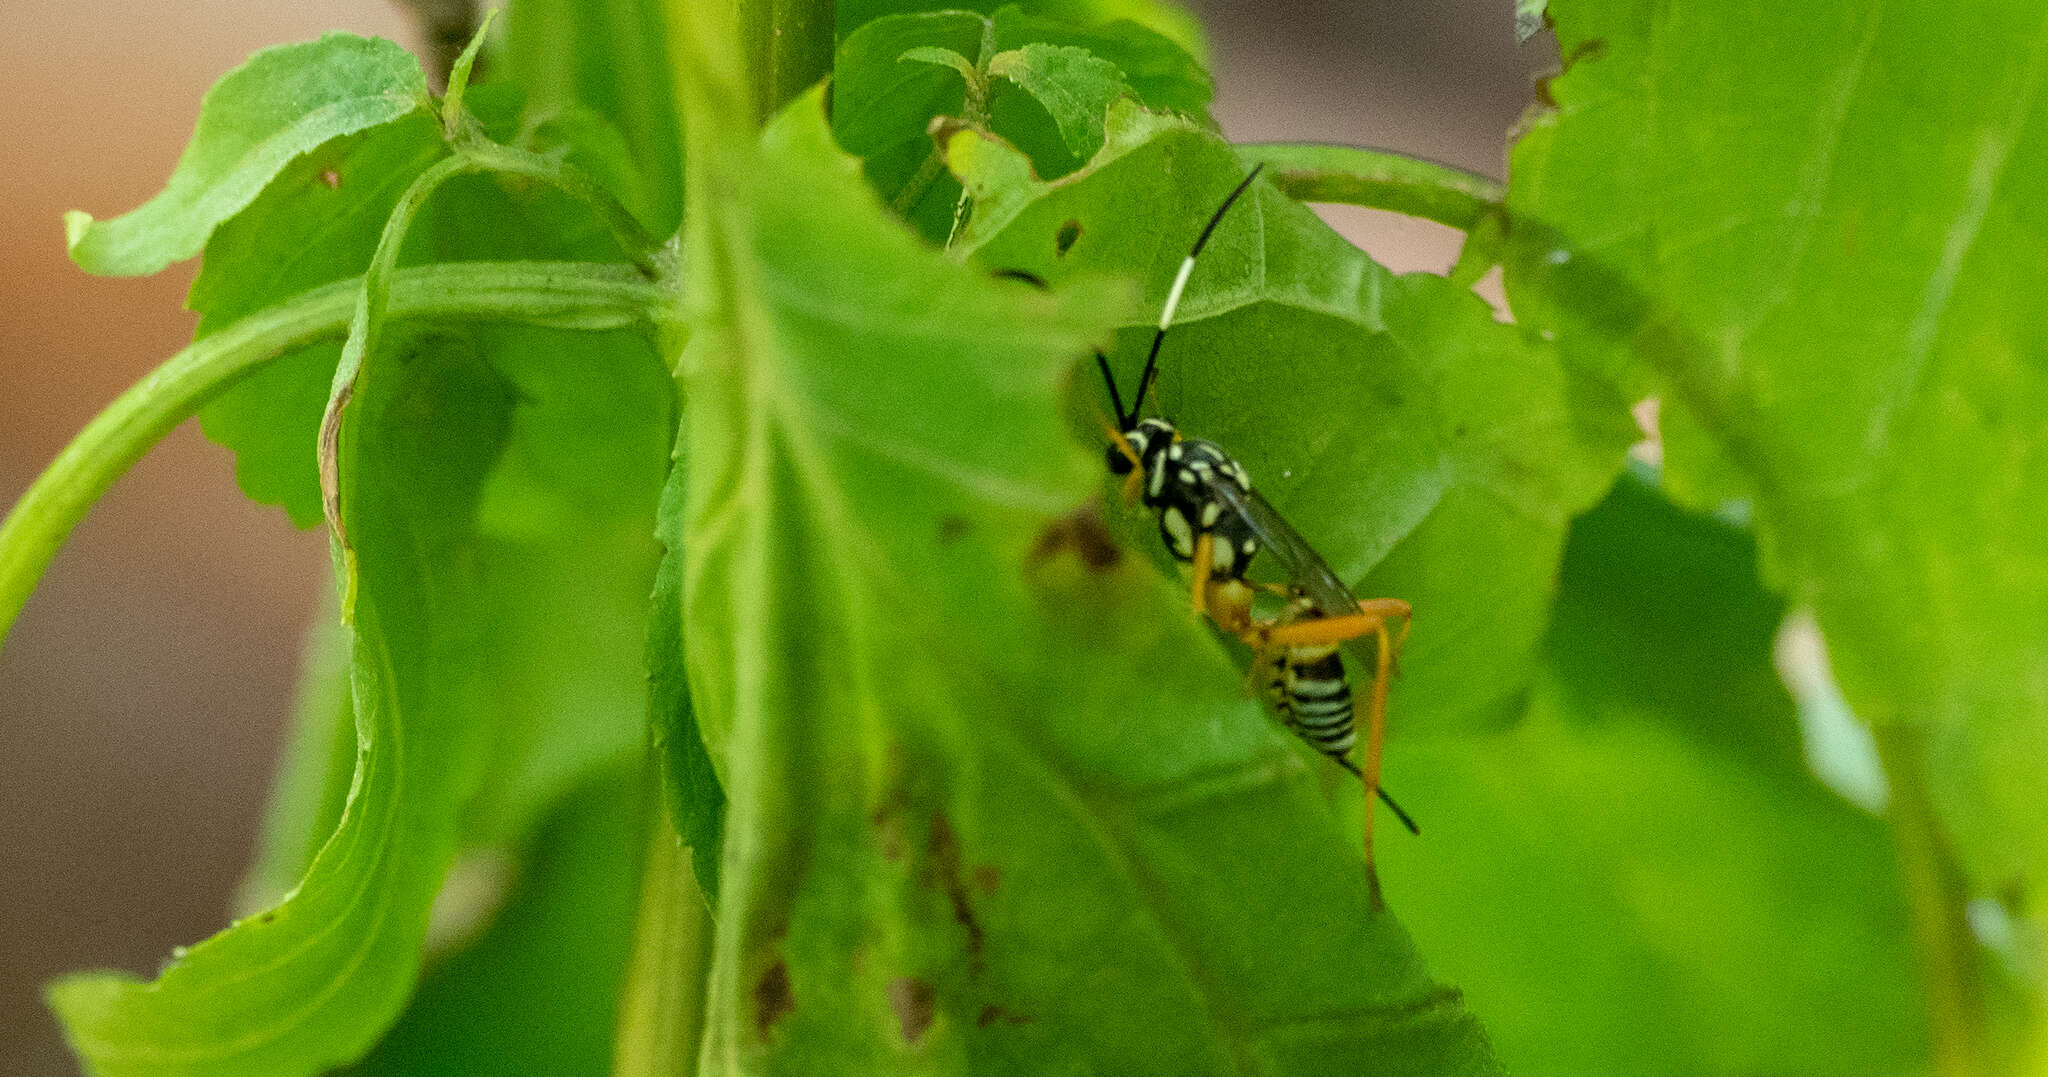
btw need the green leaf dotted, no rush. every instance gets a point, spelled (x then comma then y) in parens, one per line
(538, 992)
(929, 54)
(1162, 71)
(1856, 331)
(1531, 16)
(882, 108)
(1074, 86)
(991, 810)
(696, 799)
(1427, 451)
(309, 984)
(880, 98)
(458, 76)
(282, 103)
(1644, 877)
(1159, 18)
(611, 58)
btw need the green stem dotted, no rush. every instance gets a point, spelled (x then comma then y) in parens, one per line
(1936, 896)
(789, 45)
(572, 295)
(1378, 179)
(661, 1006)
(625, 228)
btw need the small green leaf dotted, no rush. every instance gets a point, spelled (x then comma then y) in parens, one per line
(1074, 86)
(1644, 877)
(1162, 19)
(458, 76)
(1162, 72)
(932, 54)
(882, 109)
(310, 983)
(257, 119)
(878, 100)
(696, 799)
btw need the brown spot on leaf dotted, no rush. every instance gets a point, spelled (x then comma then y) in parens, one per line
(1082, 532)
(888, 817)
(988, 877)
(773, 998)
(944, 875)
(989, 1015)
(332, 179)
(954, 528)
(914, 1002)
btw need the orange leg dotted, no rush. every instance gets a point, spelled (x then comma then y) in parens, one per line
(1376, 727)
(1205, 562)
(1372, 616)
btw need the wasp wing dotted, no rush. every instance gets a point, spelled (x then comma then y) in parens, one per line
(1307, 572)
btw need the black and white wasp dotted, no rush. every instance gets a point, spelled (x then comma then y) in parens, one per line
(1211, 518)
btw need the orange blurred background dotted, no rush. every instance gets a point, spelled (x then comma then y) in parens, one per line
(143, 691)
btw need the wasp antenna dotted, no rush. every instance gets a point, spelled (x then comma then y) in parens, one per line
(1124, 422)
(1180, 284)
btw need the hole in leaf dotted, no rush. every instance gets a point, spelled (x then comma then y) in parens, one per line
(1063, 240)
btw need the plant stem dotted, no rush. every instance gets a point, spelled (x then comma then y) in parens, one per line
(572, 295)
(1378, 179)
(661, 1007)
(1935, 893)
(789, 46)
(625, 228)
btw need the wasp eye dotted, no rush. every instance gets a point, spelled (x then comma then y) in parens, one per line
(1119, 464)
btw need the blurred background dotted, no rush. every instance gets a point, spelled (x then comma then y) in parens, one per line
(144, 689)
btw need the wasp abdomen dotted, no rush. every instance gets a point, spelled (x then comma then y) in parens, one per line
(1313, 696)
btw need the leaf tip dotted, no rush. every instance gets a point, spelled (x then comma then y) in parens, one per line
(77, 225)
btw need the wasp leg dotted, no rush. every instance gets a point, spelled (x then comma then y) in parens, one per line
(1230, 606)
(1376, 724)
(1372, 616)
(1205, 563)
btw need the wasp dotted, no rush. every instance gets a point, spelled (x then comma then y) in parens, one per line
(1212, 519)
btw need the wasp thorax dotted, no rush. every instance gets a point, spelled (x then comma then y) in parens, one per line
(1148, 434)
